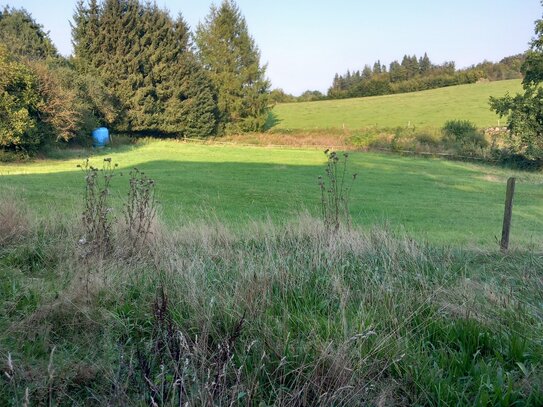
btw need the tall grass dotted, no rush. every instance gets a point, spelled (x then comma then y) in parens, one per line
(268, 315)
(14, 221)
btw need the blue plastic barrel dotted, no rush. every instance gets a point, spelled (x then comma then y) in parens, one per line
(100, 137)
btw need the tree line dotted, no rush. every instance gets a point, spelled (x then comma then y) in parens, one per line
(412, 74)
(135, 69)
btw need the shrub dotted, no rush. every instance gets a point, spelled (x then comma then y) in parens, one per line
(508, 158)
(463, 134)
(43, 101)
(19, 105)
(74, 104)
(59, 108)
(428, 139)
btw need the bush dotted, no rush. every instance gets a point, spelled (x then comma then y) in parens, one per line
(427, 138)
(508, 158)
(60, 108)
(43, 101)
(463, 135)
(19, 105)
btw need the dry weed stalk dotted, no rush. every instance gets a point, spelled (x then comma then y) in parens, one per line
(335, 191)
(139, 210)
(97, 219)
(173, 368)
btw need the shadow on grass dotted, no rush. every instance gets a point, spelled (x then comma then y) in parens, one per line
(70, 152)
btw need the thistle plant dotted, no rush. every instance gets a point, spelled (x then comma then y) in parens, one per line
(96, 218)
(335, 189)
(139, 210)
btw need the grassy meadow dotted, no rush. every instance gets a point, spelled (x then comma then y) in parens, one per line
(442, 201)
(426, 109)
(229, 259)
(238, 294)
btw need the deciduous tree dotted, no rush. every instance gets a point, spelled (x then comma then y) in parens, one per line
(24, 36)
(524, 112)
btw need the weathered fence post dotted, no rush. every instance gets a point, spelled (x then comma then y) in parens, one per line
(504, 244)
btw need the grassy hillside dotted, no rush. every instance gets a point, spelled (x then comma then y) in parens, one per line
(429, 108)
(443, 201)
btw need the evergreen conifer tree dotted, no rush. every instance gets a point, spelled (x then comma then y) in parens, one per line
(145, 56)
(377, 67)
(424, 64)
(366, 72)
(232, 59)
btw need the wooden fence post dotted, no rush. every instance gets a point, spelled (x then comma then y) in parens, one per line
(504, 244)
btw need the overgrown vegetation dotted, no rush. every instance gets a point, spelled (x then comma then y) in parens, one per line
(44, 98)
(139, 212)
(97, 217)
(464, 135)
(274, 314)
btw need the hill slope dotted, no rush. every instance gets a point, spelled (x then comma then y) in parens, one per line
(430, 108)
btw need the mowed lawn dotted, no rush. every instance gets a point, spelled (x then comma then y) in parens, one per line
(443, 201)
(429, 109)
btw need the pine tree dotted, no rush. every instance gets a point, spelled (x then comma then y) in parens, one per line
(232, 59)
(377, 67)
(145, 57)
(424, 64)
(395, 71)
(414, 68)
(84, 32)
(366, 72)
(199, 101)
(410, 67)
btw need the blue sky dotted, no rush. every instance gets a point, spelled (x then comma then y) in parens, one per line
(305, 42)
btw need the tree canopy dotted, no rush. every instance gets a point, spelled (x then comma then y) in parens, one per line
(232, 59)
(25, 37)
(42, 97)
(145, 56)
(524, 112)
